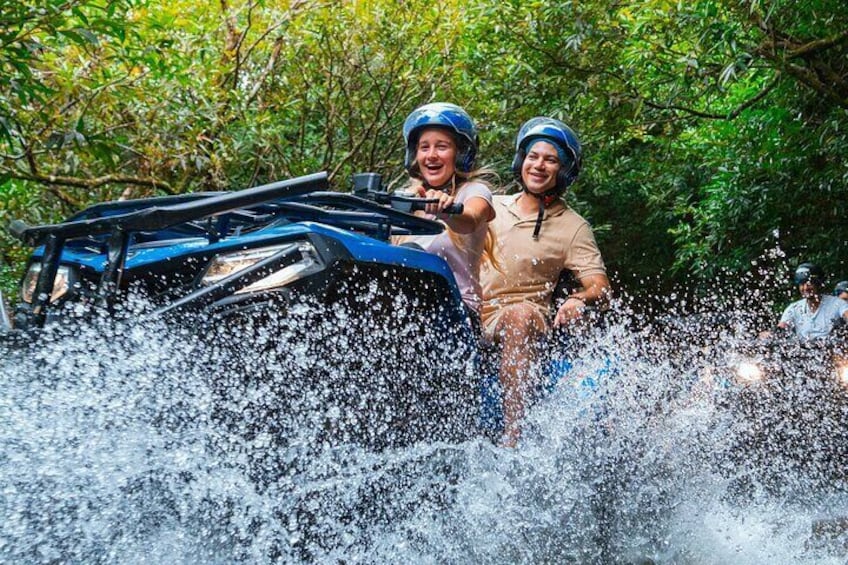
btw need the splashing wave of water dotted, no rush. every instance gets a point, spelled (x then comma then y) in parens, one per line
(136, 442)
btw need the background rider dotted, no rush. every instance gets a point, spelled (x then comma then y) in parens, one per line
(816, 314)
(841, 290)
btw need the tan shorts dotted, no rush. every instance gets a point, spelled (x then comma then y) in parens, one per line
(491, 320)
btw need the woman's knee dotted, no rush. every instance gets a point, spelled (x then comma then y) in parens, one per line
(521, 320)
(523, 315)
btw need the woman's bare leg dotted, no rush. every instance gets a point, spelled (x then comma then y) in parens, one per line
(518, 330)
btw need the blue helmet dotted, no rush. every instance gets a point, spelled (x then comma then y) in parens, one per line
(841, 286)
(450, 117)
(809, 272)
(562, 137)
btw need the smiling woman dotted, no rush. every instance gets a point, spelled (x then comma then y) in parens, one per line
(538, 238)
(435, 157)
(441, 150)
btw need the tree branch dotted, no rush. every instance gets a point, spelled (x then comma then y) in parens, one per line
(780, 49)
(818, 45)
(808, 76)
(269, 66)
(229, 55)
(714, 116)
(94, 182)
(250, 6)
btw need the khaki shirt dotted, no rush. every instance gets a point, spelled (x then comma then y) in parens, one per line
(531, 268)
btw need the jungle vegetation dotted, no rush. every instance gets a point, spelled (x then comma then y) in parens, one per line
(715, 131)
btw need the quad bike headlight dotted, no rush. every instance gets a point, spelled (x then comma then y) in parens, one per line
(61, 283)
(304, 261)
(748, 371)
(842, 373)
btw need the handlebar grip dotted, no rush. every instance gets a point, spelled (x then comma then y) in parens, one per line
(454, 209)
(17, 228)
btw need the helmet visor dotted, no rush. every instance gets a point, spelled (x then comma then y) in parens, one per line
(805, 276)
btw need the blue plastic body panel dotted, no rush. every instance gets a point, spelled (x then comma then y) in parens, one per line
(362, 248)
(558, 369)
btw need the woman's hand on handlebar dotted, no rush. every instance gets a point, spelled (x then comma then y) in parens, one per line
(441, 201)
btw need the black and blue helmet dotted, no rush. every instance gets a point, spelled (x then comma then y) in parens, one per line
(447, 116)
(809, 272)
(841, 286)
(561, 136)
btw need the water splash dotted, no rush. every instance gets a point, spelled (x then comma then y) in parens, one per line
(126, 442)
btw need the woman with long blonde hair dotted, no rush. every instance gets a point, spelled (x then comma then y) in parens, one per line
(441, 149)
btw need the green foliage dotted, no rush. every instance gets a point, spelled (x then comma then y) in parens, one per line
(15, 198)
(714, 130)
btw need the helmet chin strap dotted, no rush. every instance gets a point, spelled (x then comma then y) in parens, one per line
(449, 187)
(545, 199)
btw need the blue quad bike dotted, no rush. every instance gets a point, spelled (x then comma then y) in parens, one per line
(289, 259)
(298, 284)
(319, 341)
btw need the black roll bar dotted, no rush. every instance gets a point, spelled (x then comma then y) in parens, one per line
(120, 227)
(161, 217)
